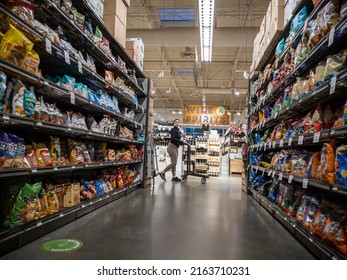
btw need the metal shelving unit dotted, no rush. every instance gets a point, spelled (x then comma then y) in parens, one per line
(54, 62)
(332, 89)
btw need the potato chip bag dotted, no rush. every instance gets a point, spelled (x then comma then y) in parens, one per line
(319, 224)
(42, 154)
(24, 101)
(14, 46)
(25, 206)
(341, 165)
(75, 152)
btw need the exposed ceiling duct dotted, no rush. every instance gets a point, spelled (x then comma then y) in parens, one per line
(169, 37)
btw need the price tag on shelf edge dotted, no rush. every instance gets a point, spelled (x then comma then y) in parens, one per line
(274, 144)
(304, 183)
(48, 45)
(281, 143)
(290, 179)
(280, 176)
(67, 57)
(290, 141)
(270, 145)
(269, 172)
(333, 85)
(301, 140)
(263, 172)
(331, 36)
(80, 69)
(273, 174)
(72, 97)
(316, 137)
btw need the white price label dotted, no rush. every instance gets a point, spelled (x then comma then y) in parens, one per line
(135, 125)
(334, 188)
(331, 36)
(273, 174)
(264, 147)
(263, 173)
(257, 168)
(333, 85)
(281, 143)
(290, 141)
(48, 46)
(280, 176)
(276, 115)
(33, 170)
(316, 137)
(73, 167)
(304, 183)
(39, 224)
(67, 57)
(39, 123)
(301, 140)
(270, 145)
(72, 97)
(274, 144)
(290, 179)
(248, 167)
(80, 67)
(269, 173)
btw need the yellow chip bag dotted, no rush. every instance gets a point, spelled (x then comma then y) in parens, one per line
(15, 46)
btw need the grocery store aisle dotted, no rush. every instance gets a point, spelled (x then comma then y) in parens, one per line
(176, 221)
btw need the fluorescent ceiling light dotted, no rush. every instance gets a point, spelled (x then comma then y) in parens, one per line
(238, 113)
(206, 17)
(237, 92)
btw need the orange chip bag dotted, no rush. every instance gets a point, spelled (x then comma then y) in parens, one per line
(319, 224)
(326, 167)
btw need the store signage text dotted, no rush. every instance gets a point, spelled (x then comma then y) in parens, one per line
(194, 114)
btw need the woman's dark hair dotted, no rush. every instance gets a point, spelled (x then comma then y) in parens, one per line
(175, 120)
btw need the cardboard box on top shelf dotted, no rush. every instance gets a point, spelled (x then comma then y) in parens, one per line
(97, 6)
(116, 7)
(288, 11)
(135, 49)
(277, 15)
(116, 28)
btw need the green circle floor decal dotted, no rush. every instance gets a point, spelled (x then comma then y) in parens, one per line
(62, 245)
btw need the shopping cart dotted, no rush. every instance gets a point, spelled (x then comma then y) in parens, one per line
(189, 171)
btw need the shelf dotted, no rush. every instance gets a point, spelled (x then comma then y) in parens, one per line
(84, 8)
(13, 239)
(310, 100)
(316, 246)
(30, 125)
(47, 170)
(51, 90)
(311, 182)
(73, 66)
(320, 50)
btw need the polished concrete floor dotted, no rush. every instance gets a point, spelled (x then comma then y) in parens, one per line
(176, 221)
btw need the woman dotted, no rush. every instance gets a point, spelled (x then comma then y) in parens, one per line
(172, 150)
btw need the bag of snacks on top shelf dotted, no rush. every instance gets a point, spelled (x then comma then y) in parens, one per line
(343, 9)
(15, 46)
(30, 156)
(329, 16)
(25, 207)
(23, 9)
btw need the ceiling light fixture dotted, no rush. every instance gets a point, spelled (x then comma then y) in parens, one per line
(238, 113)
(206, 17)
(237, 92)
(246, 74)
(160, 74)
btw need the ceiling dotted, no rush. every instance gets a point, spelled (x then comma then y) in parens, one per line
(236, 24)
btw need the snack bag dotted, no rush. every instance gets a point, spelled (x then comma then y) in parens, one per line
(326, 168)
(15, 46)
(319, 224)
(335, 234)
(42, 154)
(341, 165)
(30, 156)
(44, 209)
(313, 165)
(119, 178)
(25, 206)
(55, 150)
(75, 152)
(24, 101)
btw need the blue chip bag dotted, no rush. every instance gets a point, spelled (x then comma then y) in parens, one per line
(341, 165)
